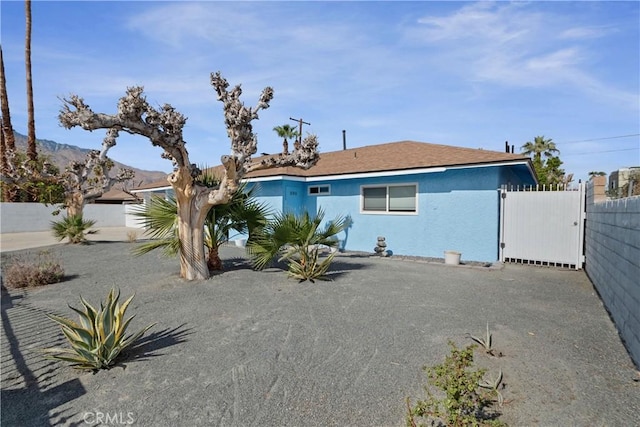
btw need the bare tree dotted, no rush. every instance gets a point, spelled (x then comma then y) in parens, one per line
(32, 153)
(85, 181)
(163, 127)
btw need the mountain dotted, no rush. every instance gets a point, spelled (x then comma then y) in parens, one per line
(61, 154)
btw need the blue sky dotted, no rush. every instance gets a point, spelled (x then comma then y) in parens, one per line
(454, 73)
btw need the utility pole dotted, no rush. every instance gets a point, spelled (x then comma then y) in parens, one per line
(300, 122)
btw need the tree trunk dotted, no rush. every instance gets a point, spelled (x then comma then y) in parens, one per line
(193, 263)
(32, 153)
(7, 128)
(214, 262)
(75, 204)
(191, 218)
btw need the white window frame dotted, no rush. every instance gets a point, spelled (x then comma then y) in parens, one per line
(387, 211)
(319, 193)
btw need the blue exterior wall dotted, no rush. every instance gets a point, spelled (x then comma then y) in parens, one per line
(457, 209)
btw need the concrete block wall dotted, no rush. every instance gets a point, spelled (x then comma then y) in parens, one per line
(612, 252)
(25, 217)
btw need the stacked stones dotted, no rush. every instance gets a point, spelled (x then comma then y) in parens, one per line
(381, 247)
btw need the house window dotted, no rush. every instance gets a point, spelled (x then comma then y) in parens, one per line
(320, 190)
(389, 199)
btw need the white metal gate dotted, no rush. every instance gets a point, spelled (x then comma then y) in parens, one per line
(543, 227)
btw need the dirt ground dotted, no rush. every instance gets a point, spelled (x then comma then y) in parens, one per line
(249, 348)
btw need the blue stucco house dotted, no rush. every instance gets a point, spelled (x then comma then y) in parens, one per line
(423, 198)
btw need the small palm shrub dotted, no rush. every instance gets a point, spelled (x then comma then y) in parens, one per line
(72, 227)
(99, 336)
(24, 271)
(296, 240)
(465, 401)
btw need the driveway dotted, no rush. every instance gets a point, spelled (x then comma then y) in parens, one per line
(255, 348)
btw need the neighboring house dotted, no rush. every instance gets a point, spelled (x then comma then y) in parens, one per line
(619, 178)
(115, 196)
(423, 198)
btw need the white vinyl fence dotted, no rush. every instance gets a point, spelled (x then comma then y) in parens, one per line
(543, 227)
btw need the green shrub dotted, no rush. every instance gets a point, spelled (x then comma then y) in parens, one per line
(297, 241)
(99, 337)
(25, 271)
(73, 228)
(465, 403)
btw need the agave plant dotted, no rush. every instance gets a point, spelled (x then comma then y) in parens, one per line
(100, 335)
(297, 240)
(493, 385)
(485, 342)
(72, 227)
(160, 217)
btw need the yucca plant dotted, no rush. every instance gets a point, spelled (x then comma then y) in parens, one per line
(297, 239)
(99, 337)
(72, 227)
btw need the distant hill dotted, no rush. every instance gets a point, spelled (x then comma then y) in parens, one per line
(61, 154)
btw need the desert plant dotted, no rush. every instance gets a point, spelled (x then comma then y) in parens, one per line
(463, 404)
(24, 271)
(297, 240)
(72, 227)
(132, 236)
(242, 214)
(486, 342)
(494, 385)
(99, 337)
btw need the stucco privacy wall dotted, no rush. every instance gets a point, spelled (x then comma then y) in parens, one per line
(25, 217)
(612, 250)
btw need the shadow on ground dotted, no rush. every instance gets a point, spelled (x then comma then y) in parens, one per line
(36, 389)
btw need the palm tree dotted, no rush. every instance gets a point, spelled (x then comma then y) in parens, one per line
(286, 131)
(7, 128)
(540, 147)
(32, 153)
(297, 239)
(7, 138)
(242, 214)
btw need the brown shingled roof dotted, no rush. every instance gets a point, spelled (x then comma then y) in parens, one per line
(115, 194)
(392, 156)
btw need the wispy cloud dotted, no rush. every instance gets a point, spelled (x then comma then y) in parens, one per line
(585, 32)
(517, 44)
(178, 24)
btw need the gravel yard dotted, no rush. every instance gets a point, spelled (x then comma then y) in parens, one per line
(251, 348)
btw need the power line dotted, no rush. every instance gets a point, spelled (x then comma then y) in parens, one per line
(596, 152)
(601, 139)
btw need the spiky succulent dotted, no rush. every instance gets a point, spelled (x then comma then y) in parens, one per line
(485, 342)
(308, 266)
(99, 337)
(494, 386)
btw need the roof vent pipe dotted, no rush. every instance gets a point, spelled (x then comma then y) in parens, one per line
(344, 139)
